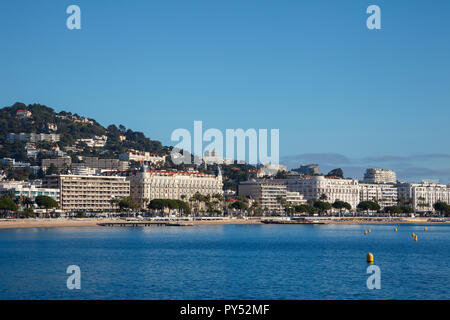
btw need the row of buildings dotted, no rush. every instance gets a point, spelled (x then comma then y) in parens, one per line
(89, 192)
(420, 196)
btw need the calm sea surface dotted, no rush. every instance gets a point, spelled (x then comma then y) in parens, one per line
(225, 262)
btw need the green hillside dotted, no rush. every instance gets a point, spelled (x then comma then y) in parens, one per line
(71, 128)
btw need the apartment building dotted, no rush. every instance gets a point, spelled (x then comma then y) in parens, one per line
(88, 192)
(266, 193)
(375, 175)
(61, 163)
(146, 184)
(295, 198)
(314, 187)
(34, 137)
(103, 164)
(384, 194)
(422, 196)
(26, 189)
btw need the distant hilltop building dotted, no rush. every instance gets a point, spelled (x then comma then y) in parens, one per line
(95, 142)
(308, 169)
(141, 156)
(212, 157)
(34, 137)
(374, 175)
(24, 114)
(270, 170)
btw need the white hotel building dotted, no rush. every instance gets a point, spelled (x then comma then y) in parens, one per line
(422, 196)
(334, 189)
(384, 194)
(146, 185)
(267, 192)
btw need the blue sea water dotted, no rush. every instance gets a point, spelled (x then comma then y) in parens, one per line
(225, 262)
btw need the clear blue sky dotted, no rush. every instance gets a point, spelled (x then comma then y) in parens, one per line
(341, 95)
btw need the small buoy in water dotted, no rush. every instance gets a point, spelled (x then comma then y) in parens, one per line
(415, 238)
(365, 232)
(413, 235)
(369, 258)
(425, 229)
(369, 231)
(395, 229)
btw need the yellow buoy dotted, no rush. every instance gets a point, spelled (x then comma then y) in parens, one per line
(365, 232)
(425, 229)
(395, 229)
(413, 235)
(415, 238)
(369, 258)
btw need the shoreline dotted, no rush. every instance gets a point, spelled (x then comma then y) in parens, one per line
(87, 222)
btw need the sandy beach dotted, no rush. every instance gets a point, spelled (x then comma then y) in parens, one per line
(50, 223)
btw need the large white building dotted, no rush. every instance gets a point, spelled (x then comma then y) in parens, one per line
(34, 137)
(374, 175)
(146, 185)
(88, 192)
(422, 196)
(314, 187)
(384, 194)
(27, 189)
(266, 193)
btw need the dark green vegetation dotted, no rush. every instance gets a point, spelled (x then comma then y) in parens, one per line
(71, 127)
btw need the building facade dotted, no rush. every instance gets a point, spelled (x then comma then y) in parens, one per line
(329, 189)
(88, 192)
(34, 137)
(384, 194)
(141, 156)
(146, 185)
(422, 196)
(374, 175)
(266, 193)
(26, 189)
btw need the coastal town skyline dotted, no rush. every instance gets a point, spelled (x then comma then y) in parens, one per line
(341, 95)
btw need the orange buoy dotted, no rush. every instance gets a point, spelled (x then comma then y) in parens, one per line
(369, 258)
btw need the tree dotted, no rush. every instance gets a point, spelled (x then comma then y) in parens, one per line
(323, 197)
(52, 169)
(338, 204)
(322, 206)
(368, 205)
(46, 202)
(127, 203)
(442, 207)
(7, 205)
(304, 208)
(239, 205)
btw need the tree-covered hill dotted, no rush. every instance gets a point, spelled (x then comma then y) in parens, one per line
(71, 127)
